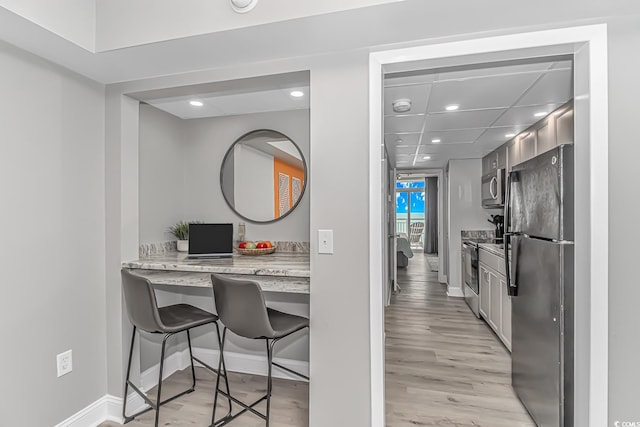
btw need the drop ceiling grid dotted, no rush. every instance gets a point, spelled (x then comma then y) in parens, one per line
(476, 135)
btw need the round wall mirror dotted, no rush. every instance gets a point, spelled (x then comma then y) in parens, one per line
(263, 176)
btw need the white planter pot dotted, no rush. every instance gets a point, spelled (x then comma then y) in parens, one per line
(183, 245)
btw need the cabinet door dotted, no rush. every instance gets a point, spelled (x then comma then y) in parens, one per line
(501, 154)
(545, 137)
(485, 293)
(564, 128)
(505, 326)
(513, 154)
(528, 146)
(496, 311)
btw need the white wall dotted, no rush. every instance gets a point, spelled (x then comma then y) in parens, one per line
(122, 23)
(74, 20)
(52, 187)
(253, 193)
(161, 176)
(465, 212)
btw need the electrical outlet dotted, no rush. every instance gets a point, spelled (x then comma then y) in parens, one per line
(65, 363)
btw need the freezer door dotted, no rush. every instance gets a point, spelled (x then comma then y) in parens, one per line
(538, 347)
(541, 195)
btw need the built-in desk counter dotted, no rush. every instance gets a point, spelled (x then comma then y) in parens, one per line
(279, 272)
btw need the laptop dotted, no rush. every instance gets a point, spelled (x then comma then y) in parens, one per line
(210, 241)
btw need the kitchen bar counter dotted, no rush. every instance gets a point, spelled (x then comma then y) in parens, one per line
(279, 272)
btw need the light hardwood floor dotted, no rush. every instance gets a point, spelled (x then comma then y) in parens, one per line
(444, 367)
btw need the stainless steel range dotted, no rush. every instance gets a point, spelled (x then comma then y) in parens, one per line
(471, 285)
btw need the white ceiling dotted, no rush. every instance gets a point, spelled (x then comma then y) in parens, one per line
(494, 100)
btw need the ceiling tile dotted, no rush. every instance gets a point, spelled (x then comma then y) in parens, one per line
(472, 72)
(461, 120)
(405, 139)
(399, 124)
(409, 79)
(523, 117)
(495, 136)
(555, 87)
(418, 94)
(451, 137)
(480, 93)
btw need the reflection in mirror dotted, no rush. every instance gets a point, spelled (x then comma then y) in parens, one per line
(263, 176)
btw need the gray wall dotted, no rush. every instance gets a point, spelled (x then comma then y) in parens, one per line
(339, 124)
(465, 211)
(162, 184)
(180, 171)
(206, 143)
(52, 187)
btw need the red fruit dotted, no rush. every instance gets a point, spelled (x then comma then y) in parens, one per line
(261, 245)
(242, 245)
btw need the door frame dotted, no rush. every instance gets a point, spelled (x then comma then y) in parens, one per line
(588, 44)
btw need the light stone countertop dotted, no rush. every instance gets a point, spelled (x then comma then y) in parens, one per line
(287, 264)
(286, 272)
(492, 248)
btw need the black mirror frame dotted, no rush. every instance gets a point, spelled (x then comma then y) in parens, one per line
(304, 185)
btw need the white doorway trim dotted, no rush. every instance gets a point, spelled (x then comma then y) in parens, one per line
(589, 44)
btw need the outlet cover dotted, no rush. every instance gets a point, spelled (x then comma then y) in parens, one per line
(65, 363)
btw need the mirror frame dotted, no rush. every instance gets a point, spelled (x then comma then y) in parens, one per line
(304, 185)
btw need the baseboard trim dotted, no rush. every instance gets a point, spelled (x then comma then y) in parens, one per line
(107, 408)
(455, 292)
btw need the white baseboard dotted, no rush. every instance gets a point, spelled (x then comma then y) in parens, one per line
(455, 292)
(107, 408)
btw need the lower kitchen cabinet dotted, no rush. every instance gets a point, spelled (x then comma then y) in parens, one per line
(495, 302)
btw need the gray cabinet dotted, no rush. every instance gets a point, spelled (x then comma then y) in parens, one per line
(495, 302)
(527, 146)
(501, 155)
(513, 153)
(545, 136)
(564, 127)
(490, 162)
(485, 293)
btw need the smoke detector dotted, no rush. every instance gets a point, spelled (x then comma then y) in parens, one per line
(243, 6)
(401, 105)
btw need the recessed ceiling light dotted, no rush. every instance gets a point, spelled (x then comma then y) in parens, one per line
(297, 93)
(540, 114)
(426, 157)
(510, 135)
(452, 107)
(436, 140)
(401, 105)
(195, 103)
(243, 6)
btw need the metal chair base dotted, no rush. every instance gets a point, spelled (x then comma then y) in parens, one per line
(158, 403)
(249, 407)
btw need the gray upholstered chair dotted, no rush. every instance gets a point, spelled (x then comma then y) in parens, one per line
(241, 308)
(145, 315)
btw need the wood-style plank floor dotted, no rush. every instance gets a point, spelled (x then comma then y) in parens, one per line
(444, 367)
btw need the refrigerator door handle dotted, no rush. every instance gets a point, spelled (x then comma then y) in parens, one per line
(510, 276)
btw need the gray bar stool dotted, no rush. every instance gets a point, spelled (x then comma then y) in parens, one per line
(145, 315)
(242, 309)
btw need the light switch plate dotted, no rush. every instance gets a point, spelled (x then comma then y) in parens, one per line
(325, 241)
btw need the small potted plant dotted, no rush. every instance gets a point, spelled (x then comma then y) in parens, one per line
(181, 232)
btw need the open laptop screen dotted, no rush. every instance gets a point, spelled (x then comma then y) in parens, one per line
(210, 240)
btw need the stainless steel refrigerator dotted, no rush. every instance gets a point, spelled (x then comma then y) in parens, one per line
(539, 219)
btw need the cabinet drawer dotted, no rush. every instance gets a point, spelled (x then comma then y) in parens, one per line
(491, 260)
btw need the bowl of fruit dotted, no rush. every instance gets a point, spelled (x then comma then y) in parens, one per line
(256, 248)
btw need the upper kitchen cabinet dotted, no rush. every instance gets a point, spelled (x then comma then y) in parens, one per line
(513, 153)
(501, 154)
(546, 136)
(527, 143)
(490, 162)
(564, 126)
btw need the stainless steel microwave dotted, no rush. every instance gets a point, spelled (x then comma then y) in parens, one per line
(493, 189)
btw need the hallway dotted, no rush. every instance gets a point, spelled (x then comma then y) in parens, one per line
(444, 367)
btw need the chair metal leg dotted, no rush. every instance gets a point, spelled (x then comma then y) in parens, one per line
(221, 368)
(269, 377)
(126, 381)
(193, 369)
(158, 399)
